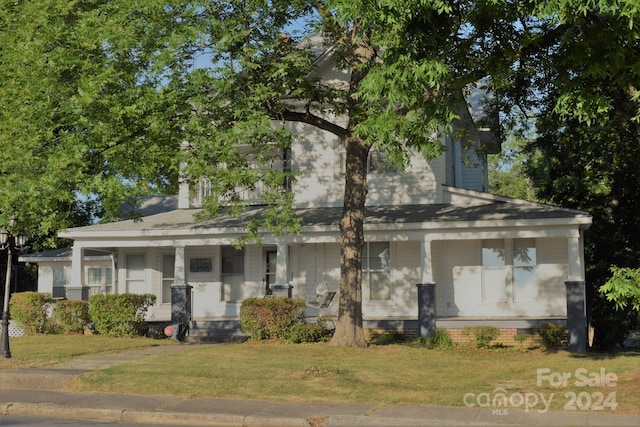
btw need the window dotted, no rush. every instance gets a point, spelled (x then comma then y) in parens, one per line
(376, 162)
(200, 265)
(494, 271)
(99, 280)
(509, 270)
(232, 271)
(135, 277)
(376, 268)
(59, 282)
(168, 276)
(525, 284)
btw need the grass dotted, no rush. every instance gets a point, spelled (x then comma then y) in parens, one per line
(44, 350)
(385, 374)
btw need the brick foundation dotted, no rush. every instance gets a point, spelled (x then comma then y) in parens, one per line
(461, 336)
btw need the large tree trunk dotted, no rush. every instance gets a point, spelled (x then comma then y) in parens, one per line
(349, 331)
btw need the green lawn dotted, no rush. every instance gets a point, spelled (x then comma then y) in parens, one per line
(389, 374)
(44, 350)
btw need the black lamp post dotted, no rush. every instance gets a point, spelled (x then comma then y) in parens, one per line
(10, 243)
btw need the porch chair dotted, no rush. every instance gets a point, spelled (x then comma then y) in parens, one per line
(322, 300)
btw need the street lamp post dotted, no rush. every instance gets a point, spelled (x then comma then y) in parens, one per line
(10, 243)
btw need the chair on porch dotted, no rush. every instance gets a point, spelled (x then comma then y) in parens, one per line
(322, 300)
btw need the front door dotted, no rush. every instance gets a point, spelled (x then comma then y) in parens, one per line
(271, 261)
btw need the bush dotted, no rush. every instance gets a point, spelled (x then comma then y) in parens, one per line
(440, 338)
(308, 333)
(72, 316)
(387, 338)
(120, 315)
(483, 335)
(270, 318)
(553, 335)
(31, 310)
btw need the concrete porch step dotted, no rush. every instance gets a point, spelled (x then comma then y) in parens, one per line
(215, 331)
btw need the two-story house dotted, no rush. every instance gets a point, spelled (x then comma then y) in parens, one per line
(494, 261)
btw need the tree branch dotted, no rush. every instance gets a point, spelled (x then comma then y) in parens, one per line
(312, 119)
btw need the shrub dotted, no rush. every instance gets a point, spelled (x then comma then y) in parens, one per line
(120, 315)
(266, 318)
(440, 338)
(483, 335)
(553, 335)
(520, 339)
(31, 310)
(308, 333)
(72, 315)
(387, 338)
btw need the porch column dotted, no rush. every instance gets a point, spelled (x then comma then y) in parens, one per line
(426, 267)
(576, 297)
(180, 296)
(426, 309)
(76, 289)
(282, 261)
(426, 293)
(576, 257)
(576, 316)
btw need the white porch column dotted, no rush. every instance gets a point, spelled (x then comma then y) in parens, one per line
(281, 265)
(76, 289)
(576, 258)
(426, 266)
(179, 276)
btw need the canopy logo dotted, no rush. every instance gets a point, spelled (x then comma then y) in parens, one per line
(500, 400)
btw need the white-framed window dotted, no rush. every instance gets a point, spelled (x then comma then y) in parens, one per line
(99, 280)
(232, 272)
(168, 277)
(376, 161)
(59, 282)
(525, 281)
(509, 270)
(376, 271)
(136, 274)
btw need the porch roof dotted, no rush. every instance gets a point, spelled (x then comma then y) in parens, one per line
(63, 254)
(492, 214)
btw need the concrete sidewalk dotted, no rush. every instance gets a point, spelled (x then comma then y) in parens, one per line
(38, 392)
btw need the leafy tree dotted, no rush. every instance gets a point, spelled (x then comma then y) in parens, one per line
(408, 65)
(588, 141)
(623, 288)
(507, 174)
(81, 117)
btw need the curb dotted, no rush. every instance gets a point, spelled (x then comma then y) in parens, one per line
(133, 416)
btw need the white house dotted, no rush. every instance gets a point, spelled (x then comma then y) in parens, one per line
(494, 261)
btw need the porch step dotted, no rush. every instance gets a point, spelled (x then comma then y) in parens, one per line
(215, 331)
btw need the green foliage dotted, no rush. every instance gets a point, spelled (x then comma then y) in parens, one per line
(387, 338)
(520, 339)
(482, 335)
(31, 310)
(440, 338)
(307, 333)
(120, 315)
(72, 316)
(553, 335)
(270, 318)
(623, 288)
